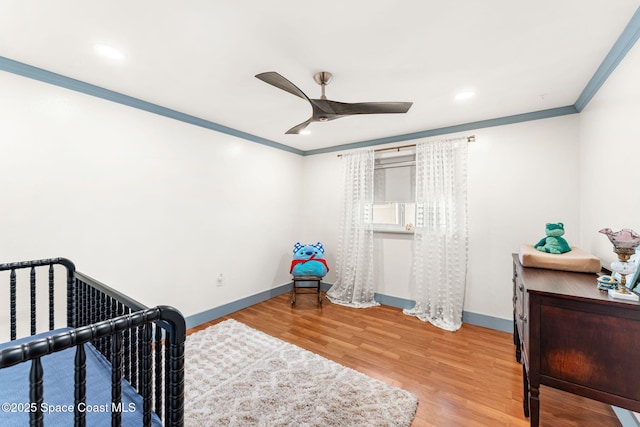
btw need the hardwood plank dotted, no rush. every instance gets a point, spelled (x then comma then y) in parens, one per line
(464, 378)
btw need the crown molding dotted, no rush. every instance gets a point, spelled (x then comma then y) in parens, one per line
(45, 76)
(617, 53)
(501, 121)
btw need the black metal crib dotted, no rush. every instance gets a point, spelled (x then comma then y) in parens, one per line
(144, 346)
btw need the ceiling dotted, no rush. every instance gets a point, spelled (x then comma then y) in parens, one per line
(200, 57)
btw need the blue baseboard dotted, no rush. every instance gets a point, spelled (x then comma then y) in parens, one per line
(626, 417)
(488, 321)
(223, 310)
(396, 302)
(401, 303)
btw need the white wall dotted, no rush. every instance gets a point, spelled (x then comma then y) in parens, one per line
(91, 180)
(521, 176)
(154, 207)
(320, 209)
(609, 153)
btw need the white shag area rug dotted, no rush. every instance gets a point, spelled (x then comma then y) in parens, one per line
(238, 376)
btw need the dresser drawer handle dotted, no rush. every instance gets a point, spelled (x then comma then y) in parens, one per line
(523, 317)
(521, 287)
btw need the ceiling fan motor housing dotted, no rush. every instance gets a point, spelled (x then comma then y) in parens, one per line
(323, 78)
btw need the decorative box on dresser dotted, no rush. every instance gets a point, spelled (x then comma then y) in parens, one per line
(571, 336)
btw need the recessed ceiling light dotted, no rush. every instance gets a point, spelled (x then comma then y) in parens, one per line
(108, 51)
(305, 132)
(465, 95)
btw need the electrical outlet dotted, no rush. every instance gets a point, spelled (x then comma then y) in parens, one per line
(220, 279)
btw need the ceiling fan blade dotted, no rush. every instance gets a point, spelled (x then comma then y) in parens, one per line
(280, 82)
(322, 108)
(297, 128)
(345, 109)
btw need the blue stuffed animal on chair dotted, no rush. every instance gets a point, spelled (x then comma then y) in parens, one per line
(308, 260)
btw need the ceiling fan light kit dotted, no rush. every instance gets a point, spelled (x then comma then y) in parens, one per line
(325, 109)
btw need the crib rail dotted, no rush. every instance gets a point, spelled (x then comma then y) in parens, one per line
(144, 345)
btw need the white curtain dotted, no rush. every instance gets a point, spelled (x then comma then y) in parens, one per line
(441, 233)
(354, 261)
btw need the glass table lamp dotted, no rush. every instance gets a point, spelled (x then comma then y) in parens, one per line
(624, 244)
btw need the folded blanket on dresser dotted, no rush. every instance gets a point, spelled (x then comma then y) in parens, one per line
(576, 260)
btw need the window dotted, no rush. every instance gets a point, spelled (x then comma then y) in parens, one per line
(394, 182)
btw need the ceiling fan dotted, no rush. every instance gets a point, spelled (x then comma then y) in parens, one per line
(325, 109)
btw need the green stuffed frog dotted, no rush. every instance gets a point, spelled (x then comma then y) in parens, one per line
(553, 243)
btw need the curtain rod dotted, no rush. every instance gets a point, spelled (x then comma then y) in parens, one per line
(470, 138)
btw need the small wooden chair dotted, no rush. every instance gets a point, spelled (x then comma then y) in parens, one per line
(296, 286)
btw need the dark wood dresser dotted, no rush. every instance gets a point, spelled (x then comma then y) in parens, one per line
(573, 337)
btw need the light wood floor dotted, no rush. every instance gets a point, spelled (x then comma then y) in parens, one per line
(466, 378)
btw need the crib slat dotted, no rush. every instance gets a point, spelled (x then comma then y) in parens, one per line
(127, 353)
(93, 318)
(116, 379)
(146, 372)
(167, 370)
(32, 286)
(140, 357)
(35, 393)
(71, 300)
(133, 354)
(51, 299)
(77, 312)
(175, 376)
(107, 315)
(86, 305)
(158, 370)
(113, 311)
(12, 302)
(102, 316)
(80, 386)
